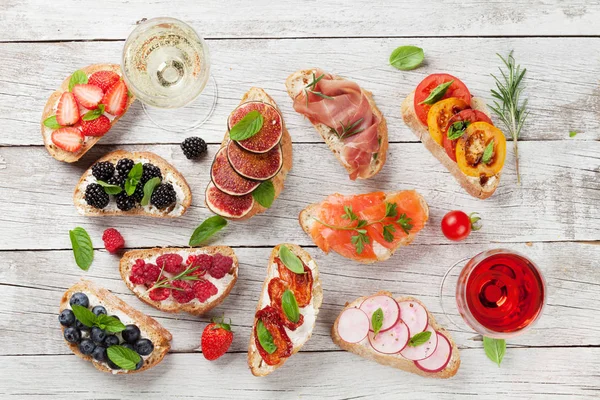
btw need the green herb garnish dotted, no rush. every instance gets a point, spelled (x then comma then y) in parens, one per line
(265, 338)
(436, 94)
(494, 349)
(247, 127)
(264, 194)
(206, 229)
(377, 321)
(290, 306)
(406, 58)
(419, 339)
(290, 260)
(488, 152)
(83, 249)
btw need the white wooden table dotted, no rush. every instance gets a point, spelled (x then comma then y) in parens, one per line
(553, 217)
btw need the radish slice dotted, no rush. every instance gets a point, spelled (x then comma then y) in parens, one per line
(391, 341)
(423, 351)
(414, 315)
(389, 306)
(353, 325)
(440, 357)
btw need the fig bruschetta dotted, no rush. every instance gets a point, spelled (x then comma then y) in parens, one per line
(193, 280)
(101, 328)
(366, 227)
(132, 183)
(287, 309)
(346, 117)
(456, 128)
(399, 333)
(251, 165)
(85, 107)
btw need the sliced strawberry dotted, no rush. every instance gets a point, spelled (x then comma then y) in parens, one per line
(104, 79)
(96, 127)
(68, 139)
(88, 95)
(115, 98)
(67, 112)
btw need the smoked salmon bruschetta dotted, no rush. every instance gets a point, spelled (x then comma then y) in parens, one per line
(456, 128)
(366, 227)
(345, 115)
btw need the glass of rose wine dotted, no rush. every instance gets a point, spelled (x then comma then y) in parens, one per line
(498, 293)
(166, 65)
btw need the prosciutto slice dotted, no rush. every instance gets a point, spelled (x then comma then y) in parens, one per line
(341, 104)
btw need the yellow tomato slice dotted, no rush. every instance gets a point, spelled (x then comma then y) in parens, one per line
(471, 147)
(440, 113)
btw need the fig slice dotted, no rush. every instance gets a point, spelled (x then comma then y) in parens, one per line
(226, 205)
(226, 179)
(260, 167)
(269, 135)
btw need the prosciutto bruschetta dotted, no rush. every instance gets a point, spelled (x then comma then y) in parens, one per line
(346, 116)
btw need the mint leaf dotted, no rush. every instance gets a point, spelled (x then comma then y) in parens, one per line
(406, 58)
(377, 321)
(571, 134)
(83, 250)
(264, 194)
(247, 127)
(84, 315)
(419, 339)
(109, 324)
(133, 178)
(290, 306)
(265, 338)
(488, 152)
(206, 229)
(290, 260)
(494, 349)
(94, 114)
(148, 189)
(436, 94)
(124, 358)
(79, 77)
(109, 188)
(52, 123)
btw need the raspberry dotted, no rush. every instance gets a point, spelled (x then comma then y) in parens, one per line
(171, 262)
(113, 240)
(221, 265)
(202, 261)
(182, 296)
(143, 273)
(204, 290)
(159, 294)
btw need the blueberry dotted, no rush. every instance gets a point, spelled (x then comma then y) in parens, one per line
(98, 335)
(111, 364)
(128, 346)
(81, 326)
(72, 334)
(66, 317)
(79, 299)
(111, 340)
(131, 333)
(143, 347)
(86, 347)
(99, 353)
(140, 364)
(97, 310)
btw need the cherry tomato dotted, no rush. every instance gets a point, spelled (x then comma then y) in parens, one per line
(457, 225)
(457, 89)
(464, 115)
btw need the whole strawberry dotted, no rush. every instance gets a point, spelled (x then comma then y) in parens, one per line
(216, 339)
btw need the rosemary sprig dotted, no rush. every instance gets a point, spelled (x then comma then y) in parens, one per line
(185, 275)
(312, 86)
(508, 109)
(349, 130)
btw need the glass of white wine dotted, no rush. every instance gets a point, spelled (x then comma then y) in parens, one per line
(166, 65)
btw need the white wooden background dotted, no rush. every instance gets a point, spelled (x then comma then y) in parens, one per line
(554, 217)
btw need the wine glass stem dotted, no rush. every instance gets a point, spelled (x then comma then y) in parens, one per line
(444, 279)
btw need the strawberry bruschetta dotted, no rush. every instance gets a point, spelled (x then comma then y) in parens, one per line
(456, 128)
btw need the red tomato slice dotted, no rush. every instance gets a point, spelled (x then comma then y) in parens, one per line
(467, 116)
(457, 89)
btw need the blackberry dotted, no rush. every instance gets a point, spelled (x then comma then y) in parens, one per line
(163, 196)
(95, 196)
(138, 195)
(124, 166)
(124, 202)
(193, 147)
(150, 171)
(118, 180)
(103, 171)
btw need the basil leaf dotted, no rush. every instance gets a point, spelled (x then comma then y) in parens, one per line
(377, 321)
(264, 338)
(108, 188)
(79, 77)
(419, 339)
(206, 229)
(124, 358)
(110, 324)
(437, 93)
(83, 250)
(494, 349)
(52, 123)
(571, 134)
(290, 260)
(133, 178)
(488, 153)
(457, 129)
(247, 127)
(406, 58)
(264, 194)
(290, 306)
(148, 189)
(84, 315)
(94, 114)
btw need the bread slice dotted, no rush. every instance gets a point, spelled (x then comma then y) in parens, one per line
(307, 221)
(151, 329)
(471, 184)
(297, 82)
(169, 173)
(50, 109)
(193, 307)
(257, 366)
(366, 351)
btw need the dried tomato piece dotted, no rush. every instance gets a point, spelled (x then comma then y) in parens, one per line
(276, 289)
(300, 284)
(272, 322)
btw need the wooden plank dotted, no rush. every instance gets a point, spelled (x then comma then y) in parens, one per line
(563, 92)
(33, 283)
(556, 202)
(60, 21)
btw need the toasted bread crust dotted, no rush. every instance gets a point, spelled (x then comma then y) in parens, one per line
(164, 166)
(299, 79)
(161, 338)
(128, 260)
(366, 352)
(62, 155)
(470, 184)
(257, 367)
